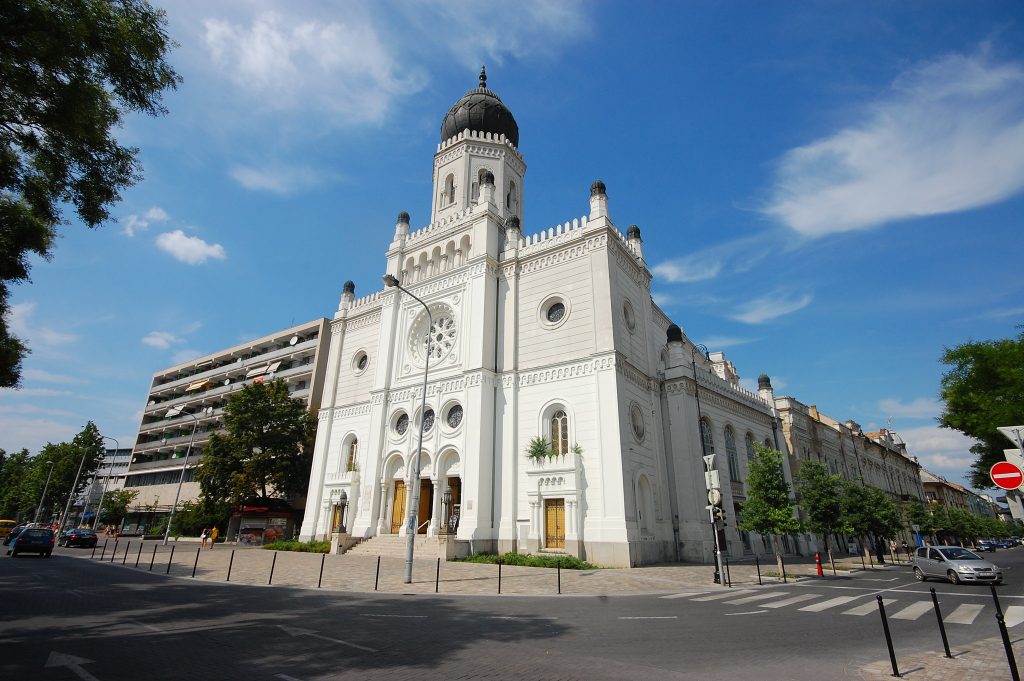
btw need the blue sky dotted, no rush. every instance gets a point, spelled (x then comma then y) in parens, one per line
(828, 192)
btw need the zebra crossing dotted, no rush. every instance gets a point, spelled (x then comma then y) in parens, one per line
(899, 608)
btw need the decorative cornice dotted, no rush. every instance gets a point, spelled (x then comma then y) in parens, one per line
(633, 374)
(574, 370)
(362, 321)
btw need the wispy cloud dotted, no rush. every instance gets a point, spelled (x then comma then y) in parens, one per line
(940, 450)
(40, 392)
(22, 323)
(279, 179)
(161, 339)
(771, 306)
(921, 408)
(41, 376)
(185, 355)
(136, 223)
(189, 249)
(947, 136)
(722, 342)
(688, 269)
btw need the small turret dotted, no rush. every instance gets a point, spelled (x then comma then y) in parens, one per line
(486, 189)
(765, 390)
(402, 226)
(598, 200)
(348, 295)
(634, 241)
(512, 232)
(674, 337)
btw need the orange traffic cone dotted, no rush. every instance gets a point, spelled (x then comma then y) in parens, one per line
(817, 562)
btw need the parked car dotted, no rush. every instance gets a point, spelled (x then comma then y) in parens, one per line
(984, 545)
(13, 534)
(956, 564)
(1002, 543)
(33, 540)
(79, 536)
(6, 526)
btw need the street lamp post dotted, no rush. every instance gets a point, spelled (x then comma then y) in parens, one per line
(71, 494)
(704, 454)
(171, 413)
(106, 478)
(43, 495)
(391, 282)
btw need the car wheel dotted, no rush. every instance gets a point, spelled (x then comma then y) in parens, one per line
(953, 578)
(12, 554)
(47, 554)
(919, 576)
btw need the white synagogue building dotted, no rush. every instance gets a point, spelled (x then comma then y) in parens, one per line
(549, 335)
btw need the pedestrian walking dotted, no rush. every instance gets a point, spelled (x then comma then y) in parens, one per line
(214, 533)
(202, 538)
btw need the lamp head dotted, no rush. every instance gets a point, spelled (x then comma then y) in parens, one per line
(389, 280)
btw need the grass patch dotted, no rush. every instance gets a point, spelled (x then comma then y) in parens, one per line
(296, 545)
(529, 560)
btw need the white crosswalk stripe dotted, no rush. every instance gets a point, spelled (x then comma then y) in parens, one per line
(913, 611)
(869, 607)
(757, 597)
(1013, 615)
(831, 603)
(965, 614)
(671, 596)
(728, 594)
(788, 601)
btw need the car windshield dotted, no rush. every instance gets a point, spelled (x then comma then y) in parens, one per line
(957, 553)
(84, 533)
(32, 532)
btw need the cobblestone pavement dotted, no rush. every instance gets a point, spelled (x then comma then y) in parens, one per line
(982, 660)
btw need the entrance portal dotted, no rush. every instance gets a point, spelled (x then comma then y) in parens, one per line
(554, 523)
(426, 503)
(398, 507)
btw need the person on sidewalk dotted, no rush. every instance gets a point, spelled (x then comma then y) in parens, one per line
(214, 533)
(202, 538)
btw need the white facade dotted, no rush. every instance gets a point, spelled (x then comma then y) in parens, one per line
(552, 335)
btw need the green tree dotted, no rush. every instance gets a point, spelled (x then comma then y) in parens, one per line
(918, 514)
(768, 509)
(267, 449)
(984, 389)
(76, 459)
(15, 493)
(69, 71)
(820, 497)
(115, 505)
(870, 513)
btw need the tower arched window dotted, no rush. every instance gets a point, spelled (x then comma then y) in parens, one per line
(560, 432)
(705, 433)
(350, 454)
(750, 447)
(449, 190)
(730, 451)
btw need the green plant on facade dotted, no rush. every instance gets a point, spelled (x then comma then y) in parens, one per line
(539, 449)
(576, 449)
(352, 467)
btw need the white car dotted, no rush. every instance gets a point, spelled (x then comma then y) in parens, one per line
(956, 564)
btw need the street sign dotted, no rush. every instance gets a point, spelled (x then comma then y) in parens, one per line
(1006, 475)
(709, 461)
(711, 480)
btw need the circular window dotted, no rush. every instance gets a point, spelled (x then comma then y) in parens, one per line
(553, 311)
(428, 420)
(360, 361)
(636, 419)
(433, 338)
(454, 416)
(402, 424)
(627, 314)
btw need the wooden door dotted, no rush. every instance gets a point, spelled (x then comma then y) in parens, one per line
(426, 505)
(398, 507)
(554, 523)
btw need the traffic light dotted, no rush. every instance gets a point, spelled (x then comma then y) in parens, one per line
(719, 514)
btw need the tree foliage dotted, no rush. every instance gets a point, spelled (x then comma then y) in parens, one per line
(266, 451)
(869, 512)
(984, 389)
(115, 505)
(820, 495)
(69, 71)
(769, 508)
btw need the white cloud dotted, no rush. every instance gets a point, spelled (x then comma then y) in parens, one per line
(721, 342)
(947, 136)
(662, 299)
(189, 249)
(185, 355)
(136, 223)
(691, 268)
(20, 320)
(278, 179)
(940, 450)
(921, 408)
(770, 306)
(161, 339)
(38, 375)
(17, 431)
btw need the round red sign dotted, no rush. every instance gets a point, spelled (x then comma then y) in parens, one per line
(1006, 475)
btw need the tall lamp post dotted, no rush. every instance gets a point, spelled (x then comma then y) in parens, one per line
(71, 494)
(43, 495)
(171, 413)
(391, 282)
(106, 479)
(704, 453)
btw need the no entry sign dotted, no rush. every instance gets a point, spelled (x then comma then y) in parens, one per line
(1006, 475)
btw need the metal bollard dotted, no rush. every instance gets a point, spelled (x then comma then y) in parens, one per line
(559, 576)
(231, 561)
(319, 581)
(126, 548)
(104, 551)
(833, 562)
(888, 637)
(272, 564)
(376, 579)
(995, 597)
(757, 561)
(1010, 660)
(93, 554)
(942, 627)
(782, 559)
(862, 565)
(153, 559)
(196, 564)
(437, 575)
(113, 551)
(728, 574)
(139, 557)
(499, 576)
(170, 559)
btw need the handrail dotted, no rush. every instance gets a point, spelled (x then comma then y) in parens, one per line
(425, 523)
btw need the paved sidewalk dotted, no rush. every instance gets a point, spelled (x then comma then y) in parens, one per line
(983, 660)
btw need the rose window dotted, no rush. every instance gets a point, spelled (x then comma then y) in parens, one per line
(455, 416)
(437, 341)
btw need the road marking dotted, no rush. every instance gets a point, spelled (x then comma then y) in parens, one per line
(404, 617)
(728, 594)
(913, 611)
(523, 618)
(831, 603)
(757, 597)
(1013, 615)
(658, 617)
(286, 677)
(867, 608)
(879, 579)
(296, 631)
(71, 662)
(964, 614)
(751, 612)
(683, 595)
(788, 601)
(146, 626)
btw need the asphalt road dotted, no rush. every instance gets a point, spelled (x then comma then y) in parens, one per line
(64, 618)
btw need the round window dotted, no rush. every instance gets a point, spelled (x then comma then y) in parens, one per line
(627, 314)
(555, 313)
(455, 416)
(360, 361)
(402, 424)
(428, 420)
(433, 338)
(636, 419)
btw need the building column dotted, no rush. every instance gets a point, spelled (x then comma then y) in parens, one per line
(383, 510)
(435, 511)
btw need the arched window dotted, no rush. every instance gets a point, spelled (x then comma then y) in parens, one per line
(351, 452)
(750, 447)
(560, 432)
(730, 450)
(511, 199)
(449, 190)
(705, 432)
(767, 443)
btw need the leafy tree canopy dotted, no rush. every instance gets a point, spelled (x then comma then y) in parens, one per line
(868, 511)
(69, 70)
(984, 389)
(115, 505)
(821, 498)
(266, 451)
(769, 508)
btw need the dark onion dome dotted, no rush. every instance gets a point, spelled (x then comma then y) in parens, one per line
(488, 178)
(480, 110)
(763, 382)
(674, 334)
(403, 218)
(597, 188)
(348, 287)
(633, 232)
(512, 222)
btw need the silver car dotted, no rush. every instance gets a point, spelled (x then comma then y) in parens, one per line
(956, 564)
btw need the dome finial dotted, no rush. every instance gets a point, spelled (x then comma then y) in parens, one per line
(483, 76)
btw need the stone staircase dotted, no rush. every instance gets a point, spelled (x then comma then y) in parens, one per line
(393, 546)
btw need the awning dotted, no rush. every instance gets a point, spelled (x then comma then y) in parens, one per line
(273, 367)
(198, 385)
(258, 371)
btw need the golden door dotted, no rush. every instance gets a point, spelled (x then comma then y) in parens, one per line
(554, 523)
(426, 504)
(398, 507)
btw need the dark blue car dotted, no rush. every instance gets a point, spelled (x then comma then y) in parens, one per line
(33, 540)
